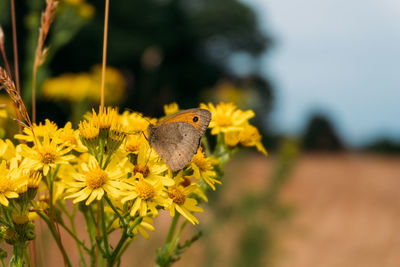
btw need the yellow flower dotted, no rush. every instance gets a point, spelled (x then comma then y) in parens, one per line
(73, 2)
(150, 175)
(70, 137)
(92, 182)
(44, 155)
(11, 182)
(86, 10)
(114, 84)
(105, 119)
(171, 109)
(180, 201)
(150, 166)
(135, 122)
(88, 131)
(85, 86)
(147, 195)
(146, 224)
(203, 168)
(3, 113)
(34, 179)
(186, 181)
(226, 117)
(248, 136)
(7, 149)
(49, 128)
(133, 143)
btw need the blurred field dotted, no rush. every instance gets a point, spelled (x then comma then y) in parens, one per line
(345, 212)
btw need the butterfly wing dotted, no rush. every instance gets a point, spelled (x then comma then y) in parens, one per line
(197, 117)
(176, 143)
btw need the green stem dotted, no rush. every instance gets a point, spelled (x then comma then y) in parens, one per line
(89, 224)
(178, 234)
(172, 228)
(26, 256)
(78, 242)
(107, 161)
(3, 264)
(175, 240)
(101, 146)
(135, 223)
(205, 144)
(121, 242)
(115, 211)
(117, 251)
(18, 255)
(103, 226)
(54, 233)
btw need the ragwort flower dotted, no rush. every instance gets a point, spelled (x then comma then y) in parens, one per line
(49, 128)
(11, 182)
(226, 117)
(92, 182)
(171, 109)
(180, 201)
(203, 168)
(147, 195)
(44, 155)
(248, 136)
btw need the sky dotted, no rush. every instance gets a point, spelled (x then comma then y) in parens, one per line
(338, 57)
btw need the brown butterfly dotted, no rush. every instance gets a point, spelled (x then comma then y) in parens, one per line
(177, 138)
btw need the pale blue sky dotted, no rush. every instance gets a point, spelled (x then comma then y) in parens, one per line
(337, 56)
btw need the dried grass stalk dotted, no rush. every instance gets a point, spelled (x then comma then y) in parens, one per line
(41, 52)
(22, 115)
(3, 51)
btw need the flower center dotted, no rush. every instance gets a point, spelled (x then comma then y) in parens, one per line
(201, 162)
(132, 147)
(177, 195)
(133, 143)
(48, 154)
(143, 169)
(186, 181)
(144, 190)
(95, 178)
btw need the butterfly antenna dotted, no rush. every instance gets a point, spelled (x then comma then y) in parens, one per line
(148, 157)
(145, 137)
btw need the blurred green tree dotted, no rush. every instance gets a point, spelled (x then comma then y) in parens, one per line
(169, 49)
(320, 135)
(382, 145)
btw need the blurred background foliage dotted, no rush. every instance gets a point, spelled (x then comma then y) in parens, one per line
(159, 51)
(167, 50)
(162, 51)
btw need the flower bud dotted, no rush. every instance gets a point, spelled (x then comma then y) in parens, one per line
(10, 236)
(20, 219)
(30, 231)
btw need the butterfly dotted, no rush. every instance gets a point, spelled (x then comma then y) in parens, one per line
(176, 138)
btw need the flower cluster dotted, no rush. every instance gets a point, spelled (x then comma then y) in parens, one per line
(82, 8)
(108, 168)
(81, 86)
(234, 124)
